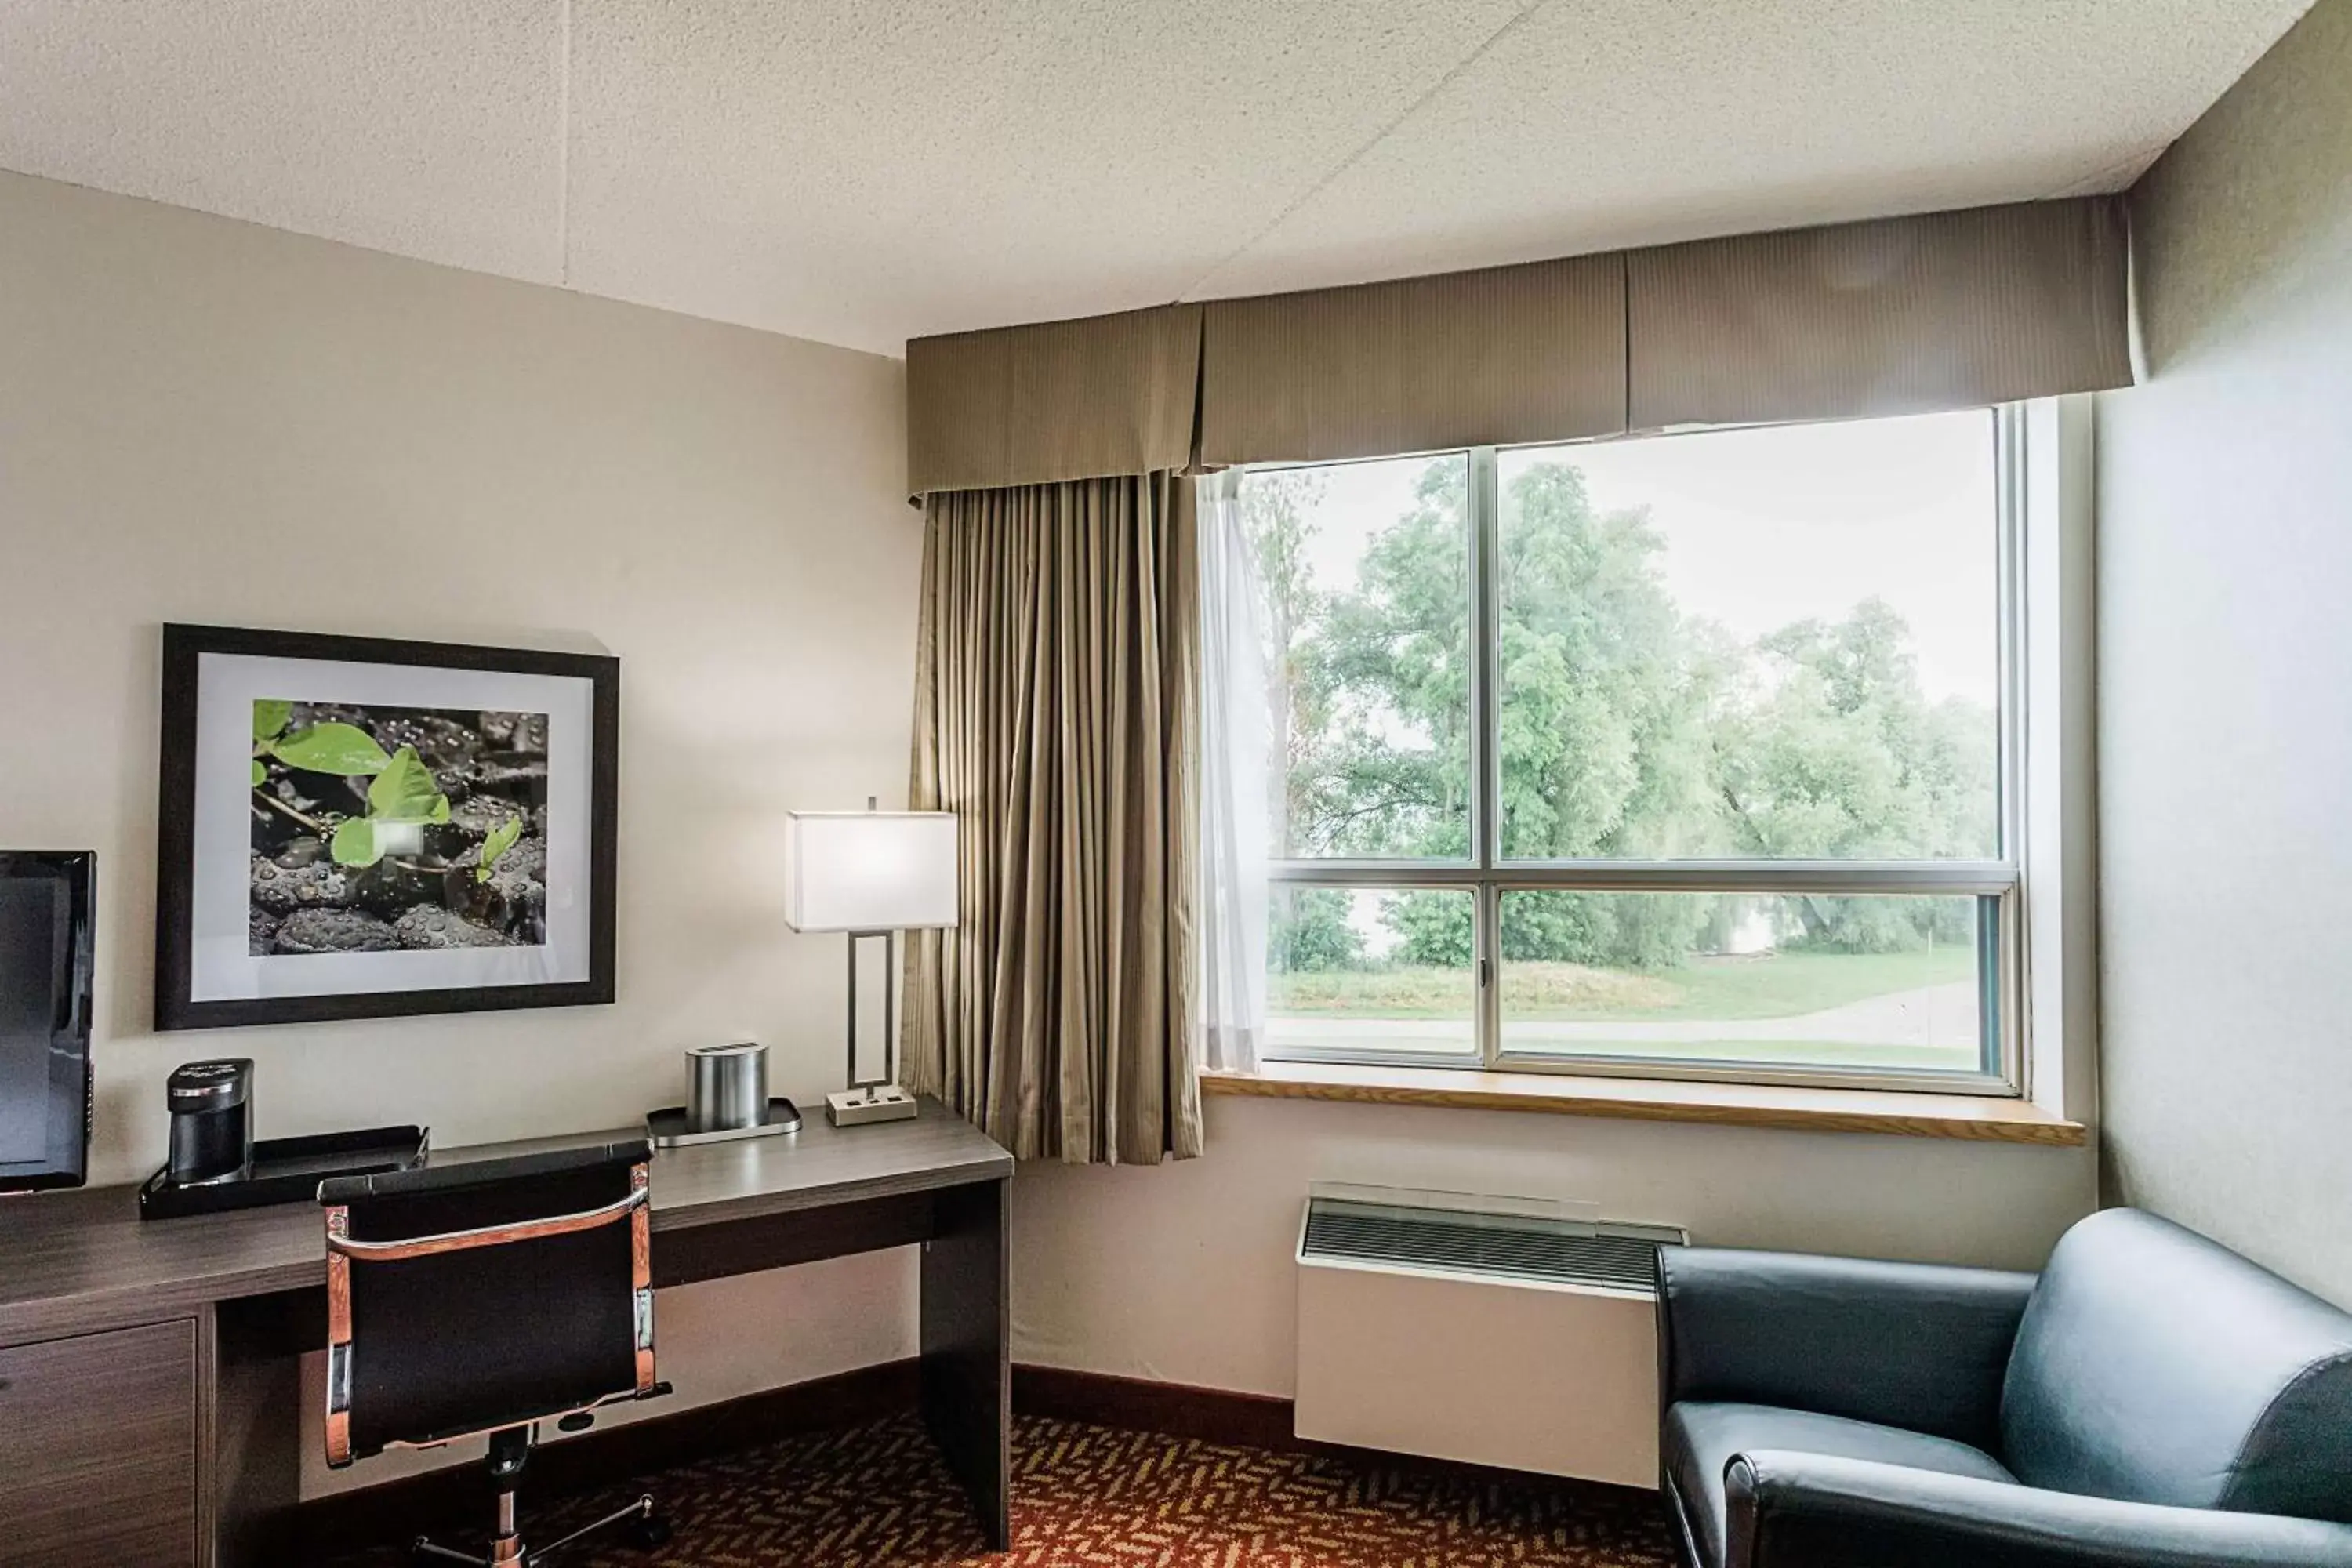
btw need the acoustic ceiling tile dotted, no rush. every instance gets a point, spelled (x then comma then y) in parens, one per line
(1595, 124)
(429, 128)
(863, 171)
(867, 172)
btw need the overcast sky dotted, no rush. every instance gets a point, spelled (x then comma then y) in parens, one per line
(1766, 527)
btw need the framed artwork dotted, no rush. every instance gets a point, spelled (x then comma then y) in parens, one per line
(355, 828)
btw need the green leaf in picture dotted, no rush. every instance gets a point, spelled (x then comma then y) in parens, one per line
(354, 843)
(405, 790)
(269, 717)
(501, 839)
(333, 748)
(260, 774)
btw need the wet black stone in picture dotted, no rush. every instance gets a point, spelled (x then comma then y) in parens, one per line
(379, 829)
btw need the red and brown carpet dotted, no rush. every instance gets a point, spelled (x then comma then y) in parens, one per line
(1090, 1496)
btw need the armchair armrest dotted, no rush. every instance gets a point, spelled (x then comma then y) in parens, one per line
(1916, 1345)
(1811, 1510)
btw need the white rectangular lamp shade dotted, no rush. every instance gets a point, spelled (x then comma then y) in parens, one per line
(869, 871)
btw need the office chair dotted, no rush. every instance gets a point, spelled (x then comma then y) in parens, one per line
(481, 1299)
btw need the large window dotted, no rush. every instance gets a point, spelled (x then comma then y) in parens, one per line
(1681, 754)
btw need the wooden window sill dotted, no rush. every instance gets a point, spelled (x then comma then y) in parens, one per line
(1983, 1120)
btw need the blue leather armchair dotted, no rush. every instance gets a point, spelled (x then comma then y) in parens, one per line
(2149, 1399)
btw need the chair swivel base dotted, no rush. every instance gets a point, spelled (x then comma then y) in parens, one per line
(646, 1530)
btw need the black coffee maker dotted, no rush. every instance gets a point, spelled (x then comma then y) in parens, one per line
(212, 1121)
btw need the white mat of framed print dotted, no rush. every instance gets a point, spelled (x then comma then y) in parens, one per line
(356, 827)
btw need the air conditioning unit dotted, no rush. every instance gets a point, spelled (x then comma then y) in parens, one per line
(1494, 1330)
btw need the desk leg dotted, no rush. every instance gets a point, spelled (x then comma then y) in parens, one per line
(257, 1416)
(968, 1348)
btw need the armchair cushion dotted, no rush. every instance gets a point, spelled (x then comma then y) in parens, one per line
(2156, 1366)
(1816, 1510)
(1701, 1438)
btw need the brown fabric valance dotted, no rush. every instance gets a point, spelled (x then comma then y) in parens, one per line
(1506, 354)
(1951, 310)
(1899, 315)
(1062, 400)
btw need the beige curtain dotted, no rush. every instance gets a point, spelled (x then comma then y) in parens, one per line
(1055, 714)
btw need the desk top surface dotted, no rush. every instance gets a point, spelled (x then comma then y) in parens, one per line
(71, 1261)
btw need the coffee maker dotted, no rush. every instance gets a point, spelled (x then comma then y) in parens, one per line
(212, 1121)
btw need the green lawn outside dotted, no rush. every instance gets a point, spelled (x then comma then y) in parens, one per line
(1785, 984)
(1880, 1055)
(1771, 1053)
(1772, 985)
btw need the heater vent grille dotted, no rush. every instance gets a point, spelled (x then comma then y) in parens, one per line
(1504, 1247)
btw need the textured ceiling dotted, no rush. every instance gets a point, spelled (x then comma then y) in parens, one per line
(861, 172)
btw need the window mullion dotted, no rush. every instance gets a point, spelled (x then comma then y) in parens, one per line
(2010, 480)
(1829, 876)
(1488, 995)
(1486, 812)
(1486, 622)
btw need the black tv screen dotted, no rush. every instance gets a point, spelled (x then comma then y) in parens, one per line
(47, 935)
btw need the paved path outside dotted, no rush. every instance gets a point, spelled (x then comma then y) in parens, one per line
(1932, 1017)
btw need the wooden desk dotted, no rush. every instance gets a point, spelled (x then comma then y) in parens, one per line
(153, 1365)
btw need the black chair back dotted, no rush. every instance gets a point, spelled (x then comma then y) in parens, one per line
(471, 1298)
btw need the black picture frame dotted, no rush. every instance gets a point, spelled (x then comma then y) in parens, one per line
(183, 646)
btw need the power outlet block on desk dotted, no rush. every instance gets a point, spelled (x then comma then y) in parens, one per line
(856, 1107)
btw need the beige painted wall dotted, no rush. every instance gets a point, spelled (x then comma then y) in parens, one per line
(202, 420)
(1184, 1272)
(2225, 572)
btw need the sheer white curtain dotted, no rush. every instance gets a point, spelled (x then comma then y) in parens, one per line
(1236, 730)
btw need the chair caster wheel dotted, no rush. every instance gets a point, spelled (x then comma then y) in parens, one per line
(648, 1534)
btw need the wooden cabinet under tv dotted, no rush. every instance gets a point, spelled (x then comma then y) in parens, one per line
(98, 1448)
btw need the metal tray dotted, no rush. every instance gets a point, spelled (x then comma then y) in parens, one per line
(289, 1171)
(667, 1128)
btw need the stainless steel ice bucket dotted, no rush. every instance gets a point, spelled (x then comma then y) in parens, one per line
(726, 1087)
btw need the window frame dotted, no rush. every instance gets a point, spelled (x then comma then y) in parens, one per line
(1486, 876)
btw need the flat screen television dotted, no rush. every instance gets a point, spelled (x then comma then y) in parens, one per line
(48, 933)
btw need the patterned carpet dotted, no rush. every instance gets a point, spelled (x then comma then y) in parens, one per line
(1089, 1497)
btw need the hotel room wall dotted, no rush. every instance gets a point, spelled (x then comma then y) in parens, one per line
(203, 420)
(1183, 1273)
(2225, 649)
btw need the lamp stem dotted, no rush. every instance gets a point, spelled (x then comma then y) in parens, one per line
(890, 1011)
(851, 943)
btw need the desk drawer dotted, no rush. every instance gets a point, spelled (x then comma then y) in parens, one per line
(97, 1450)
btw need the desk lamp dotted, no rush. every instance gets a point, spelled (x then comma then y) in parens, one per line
(871, 874)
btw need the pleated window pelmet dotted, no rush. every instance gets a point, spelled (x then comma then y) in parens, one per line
(1055, 714)
(1901, 315)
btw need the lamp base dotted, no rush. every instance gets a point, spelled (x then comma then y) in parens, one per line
(879, 1102)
